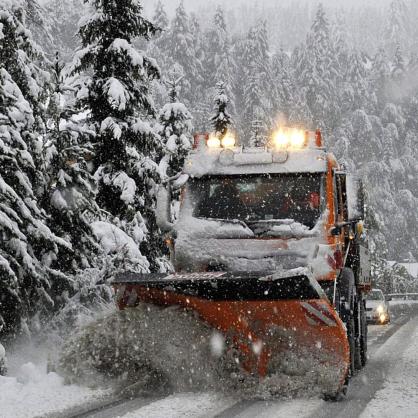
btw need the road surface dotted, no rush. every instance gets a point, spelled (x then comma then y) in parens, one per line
(386, 387)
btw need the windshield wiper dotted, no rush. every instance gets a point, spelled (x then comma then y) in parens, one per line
(274, 222)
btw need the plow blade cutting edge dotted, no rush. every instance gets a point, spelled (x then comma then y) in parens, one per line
(267, 319)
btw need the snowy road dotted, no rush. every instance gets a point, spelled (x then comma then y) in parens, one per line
(387, 387)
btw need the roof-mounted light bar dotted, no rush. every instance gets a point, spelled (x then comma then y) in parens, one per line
(290, 139)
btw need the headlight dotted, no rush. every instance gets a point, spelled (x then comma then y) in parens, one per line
(297, 139)
(228, 141)
(214, 142)
(380, 309)
(281, 139)
(290, 138)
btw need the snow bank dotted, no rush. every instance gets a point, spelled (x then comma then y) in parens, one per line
(35, 392)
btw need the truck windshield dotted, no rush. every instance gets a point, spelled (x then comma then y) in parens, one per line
(254, 198)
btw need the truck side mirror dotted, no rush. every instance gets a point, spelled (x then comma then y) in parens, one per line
(163, 213)
(355, 197)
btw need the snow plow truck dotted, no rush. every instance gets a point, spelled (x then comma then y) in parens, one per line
(268, 241)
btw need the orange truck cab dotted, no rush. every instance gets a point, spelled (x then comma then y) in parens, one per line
(268, 246)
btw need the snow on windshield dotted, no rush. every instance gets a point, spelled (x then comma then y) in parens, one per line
(258, 198)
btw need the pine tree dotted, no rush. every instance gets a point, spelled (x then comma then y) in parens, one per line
(28, 248)
(380, 76)
(398, 70)
(183, 52)
(116, 79)
(220, 60)
(256, 105)
(175, 129)
(71, 198)
(283, 79)
(160, 18)
(160, 45)
(356, 96)
(40, 23)
(316, 72)
(63, 17)
(398, 26)
(221, 120)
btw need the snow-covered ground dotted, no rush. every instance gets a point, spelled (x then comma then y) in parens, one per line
(186, 405)
(30, 391)
(33, 392)
(399, 395)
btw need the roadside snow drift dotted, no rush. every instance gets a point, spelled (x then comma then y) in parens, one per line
(34, 392)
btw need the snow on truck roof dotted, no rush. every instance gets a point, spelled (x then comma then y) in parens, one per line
(239, 161)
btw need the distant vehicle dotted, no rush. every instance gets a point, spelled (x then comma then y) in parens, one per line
(377, 308)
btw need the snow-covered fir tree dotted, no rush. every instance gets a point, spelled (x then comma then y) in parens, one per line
(221, 120)
(398, 70)
(182, 47)
(116, 78)
(71, 194)
(380, 73)
(30, 279)
(283, 79)
(254, 106)
(398, 25)
(175, 131)
(62, 18)
(314, 73)
(220, 63)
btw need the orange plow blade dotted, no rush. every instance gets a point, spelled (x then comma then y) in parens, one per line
(267, 320)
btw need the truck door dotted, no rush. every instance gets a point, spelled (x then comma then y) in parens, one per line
(341, 209)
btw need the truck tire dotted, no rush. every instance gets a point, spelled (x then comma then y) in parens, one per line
(346, 286)
(363, 337)
(358, 315)
(351, 335)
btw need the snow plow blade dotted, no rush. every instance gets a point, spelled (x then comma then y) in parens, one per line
(265, 317)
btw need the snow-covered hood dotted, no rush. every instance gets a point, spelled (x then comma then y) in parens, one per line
(235, 247)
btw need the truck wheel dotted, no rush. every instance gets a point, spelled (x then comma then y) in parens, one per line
(363, 337)
(346, 288)
(359, 333)
(351, 331)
